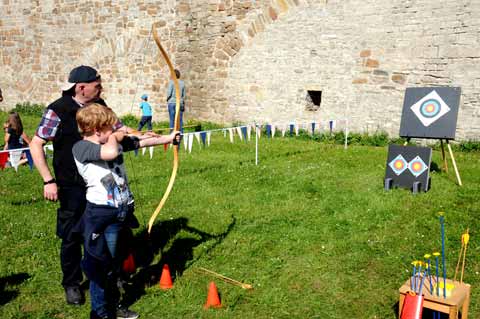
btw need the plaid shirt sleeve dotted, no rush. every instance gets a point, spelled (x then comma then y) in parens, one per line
(48, 125)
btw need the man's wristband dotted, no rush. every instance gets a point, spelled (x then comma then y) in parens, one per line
(50, 181)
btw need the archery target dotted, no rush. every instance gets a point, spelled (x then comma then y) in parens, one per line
(417, 166)
(398, 165)
(430, 112)
(430, 108)
(407, 165)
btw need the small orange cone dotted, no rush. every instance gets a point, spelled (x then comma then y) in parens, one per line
(129, 265)
(166, 279)
(213, 300)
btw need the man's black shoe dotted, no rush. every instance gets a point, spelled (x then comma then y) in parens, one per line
(125, 313)
(74, 296)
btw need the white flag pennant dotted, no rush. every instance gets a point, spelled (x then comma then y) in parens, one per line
(197, 136)
(190, 143)
(230, 131)
(273, 130)
(239, 132)
(284, 129)
(150, 149)
(296, 129)
(249, 132)
(225, 133)
(15, 157)
(186, 137)
(258, 128)
(209, 135)
(143, 151)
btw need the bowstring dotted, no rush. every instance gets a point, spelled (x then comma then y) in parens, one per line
(134, 186)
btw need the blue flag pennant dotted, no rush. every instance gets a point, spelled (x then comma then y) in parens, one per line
(269, 130)
(244, 132)
(313, 127)
(203, 136)
(29, 159)
(291, 129)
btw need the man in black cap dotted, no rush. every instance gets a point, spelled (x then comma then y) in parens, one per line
(59, 126)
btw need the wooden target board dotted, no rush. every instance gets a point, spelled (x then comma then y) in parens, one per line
(407, 165)
(430, 112)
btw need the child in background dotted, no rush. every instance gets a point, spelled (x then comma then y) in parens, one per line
(110, 206)
(15, 137)
(146, 114)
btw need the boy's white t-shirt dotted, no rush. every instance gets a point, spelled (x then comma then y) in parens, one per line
(107, 182)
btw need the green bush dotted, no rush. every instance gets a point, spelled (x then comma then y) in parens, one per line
(29, 109)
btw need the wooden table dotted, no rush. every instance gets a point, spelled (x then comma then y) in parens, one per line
(460, 299)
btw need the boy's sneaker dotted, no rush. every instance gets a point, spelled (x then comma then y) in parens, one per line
(124, 313)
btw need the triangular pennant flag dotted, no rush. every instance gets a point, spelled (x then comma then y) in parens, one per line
(185, 141)
(249, 132)
(258, 131)
(291, 129)
(190, 144)
(3, 159)
(313, 128)
(239, 132)
(203, 136)
(15, 157)
(230, 131)
(209, 136)
(143, 151)
(331, 125)
(296, 129)
(273, 130)
(244, 132)
(29, 159)
(197, 136)
(269, 130)
(284, 129)
(135, 151)
(165, 147)
(224, 133)
(150, 149)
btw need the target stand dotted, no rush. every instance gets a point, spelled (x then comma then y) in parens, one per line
(431, 113)
(408, 167)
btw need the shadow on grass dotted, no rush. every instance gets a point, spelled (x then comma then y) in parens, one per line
(12, 280)
(178, 254)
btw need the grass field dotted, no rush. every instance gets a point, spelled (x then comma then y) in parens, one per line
(310, 227)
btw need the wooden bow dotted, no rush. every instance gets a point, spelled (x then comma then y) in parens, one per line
(176, 128)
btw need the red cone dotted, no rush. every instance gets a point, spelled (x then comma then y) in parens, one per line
(213, 300)
(166, 279)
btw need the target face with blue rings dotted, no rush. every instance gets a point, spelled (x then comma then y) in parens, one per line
(430, 108)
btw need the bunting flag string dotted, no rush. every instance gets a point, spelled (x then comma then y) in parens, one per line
(204, 137)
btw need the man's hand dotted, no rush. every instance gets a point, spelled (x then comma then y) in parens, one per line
(119, 135)
(50, 192)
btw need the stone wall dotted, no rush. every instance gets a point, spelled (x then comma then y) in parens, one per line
(248, 60)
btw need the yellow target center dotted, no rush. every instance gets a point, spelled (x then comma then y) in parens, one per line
(398, 165)
(430, 108)
(417, 166)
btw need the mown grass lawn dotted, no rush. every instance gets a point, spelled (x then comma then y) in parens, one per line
(310, 227)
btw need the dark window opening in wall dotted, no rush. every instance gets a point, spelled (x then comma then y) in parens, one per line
(314, 99)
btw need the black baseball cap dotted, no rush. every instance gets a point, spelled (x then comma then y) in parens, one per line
(81, 74)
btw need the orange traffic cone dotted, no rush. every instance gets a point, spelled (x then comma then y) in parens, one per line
(213, 300)
(129, 265)
(166, 279)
